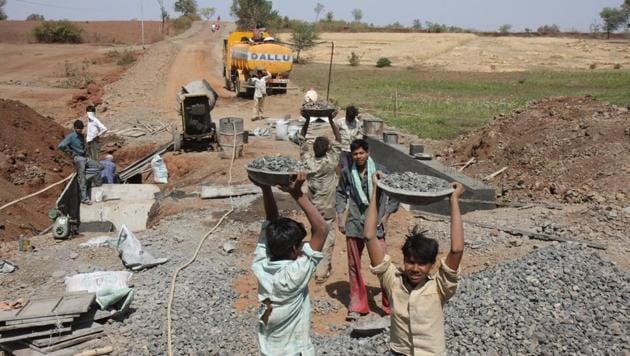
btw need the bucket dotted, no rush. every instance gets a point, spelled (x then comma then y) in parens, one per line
(390, 137)
(373, 127)
(228, 126)
(282, 130)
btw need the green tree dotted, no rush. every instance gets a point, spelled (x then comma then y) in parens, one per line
(249, 13)
(330, 16)
(357, 15)
(207, 12)
(505, 28)
(186, 7)
(303, 37)
(612, 18)
(163, 14)
(416, 25)
(3, 15)
(318, 10)
(35, 17)
(548, 29)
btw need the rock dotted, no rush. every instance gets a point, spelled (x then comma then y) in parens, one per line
(59, 274)
(74, 255)
(516, 242)
(229, 247)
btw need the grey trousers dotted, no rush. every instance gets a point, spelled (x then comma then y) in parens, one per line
(93, 149)
(87, 171)
(325, 265)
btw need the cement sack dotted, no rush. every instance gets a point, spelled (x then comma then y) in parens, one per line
(132, 253)
(160, 173)
(110, 287)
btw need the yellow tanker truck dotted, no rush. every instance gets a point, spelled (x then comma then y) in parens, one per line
(242, 56)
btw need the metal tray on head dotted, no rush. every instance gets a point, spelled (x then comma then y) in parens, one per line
(415, 197)
(269, 177)
(317, 112)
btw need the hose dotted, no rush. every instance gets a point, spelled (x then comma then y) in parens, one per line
(194, 256)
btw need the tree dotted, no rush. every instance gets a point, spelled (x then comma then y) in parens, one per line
(318, 10)
(505, 28)
(35, 17)
(548, 29)
(357, 14)
(207, 12)
(330, 16)
(163, 13)
(303, 37)
(612, 18)
(249, 13)
(417, 25)
(3, 15)
(186, 7)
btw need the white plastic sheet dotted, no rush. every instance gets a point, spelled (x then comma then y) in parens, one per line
(160, 172)
(132, 253)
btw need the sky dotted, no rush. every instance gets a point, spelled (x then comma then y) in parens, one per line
(485, 15)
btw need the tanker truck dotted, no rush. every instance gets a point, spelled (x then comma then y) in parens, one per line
(242, 57)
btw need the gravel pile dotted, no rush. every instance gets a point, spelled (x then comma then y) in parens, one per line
(563, 299)
(415, 182)
(318, 105)
(277, 164)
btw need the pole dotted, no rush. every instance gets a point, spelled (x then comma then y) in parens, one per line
(332, 52)
(142, 22)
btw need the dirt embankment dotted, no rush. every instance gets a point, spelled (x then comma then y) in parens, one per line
(101, 32)
(572, 150)
(29, 161)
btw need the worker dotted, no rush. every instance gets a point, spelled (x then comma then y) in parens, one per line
(321, 163)
(355, 190)
(283, 265)
(74, 144)
(94, 130)
(108, 175)
(260, 92)
(351, 128)
(418, 298)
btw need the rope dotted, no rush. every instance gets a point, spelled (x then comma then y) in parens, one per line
(36, 193)
(194, 256)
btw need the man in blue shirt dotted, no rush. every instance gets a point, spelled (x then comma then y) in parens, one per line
(283, 266)
(108, 175)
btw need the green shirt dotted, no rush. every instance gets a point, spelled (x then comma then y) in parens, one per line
(73, 143)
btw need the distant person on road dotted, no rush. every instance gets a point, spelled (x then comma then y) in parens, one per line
(108, 175)
(283, 265)
(355, 189)
(417, 297)
(260, 92)
(74, 144)
(351, 128)
(322, 157)
(94, 130)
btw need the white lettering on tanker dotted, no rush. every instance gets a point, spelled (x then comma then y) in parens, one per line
(270, 57)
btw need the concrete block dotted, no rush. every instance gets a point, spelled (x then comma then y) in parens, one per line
(126, 192)
(478, 196)
(415, 148)
(96, 226)
(133, 214)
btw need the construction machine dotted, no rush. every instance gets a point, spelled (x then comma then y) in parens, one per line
(196, 100)
(243, 56)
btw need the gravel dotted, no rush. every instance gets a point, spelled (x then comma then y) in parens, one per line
(277, 164)
(318, 105)
(415, 182)
(564, 299)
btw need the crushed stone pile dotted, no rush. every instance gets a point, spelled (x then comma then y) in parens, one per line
(277, 164)
(29, 161)
(415, 182)
(564, 299)
(572, 150)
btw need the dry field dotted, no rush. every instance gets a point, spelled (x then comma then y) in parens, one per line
(469, 52)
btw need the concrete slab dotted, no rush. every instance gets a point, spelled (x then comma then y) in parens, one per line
(121, 204)
(478, 196)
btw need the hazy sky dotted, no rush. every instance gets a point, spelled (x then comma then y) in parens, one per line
(477, 14)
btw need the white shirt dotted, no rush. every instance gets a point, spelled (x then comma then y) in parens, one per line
(260, 86)
(94, 127)
(350, 132)
(285, 284)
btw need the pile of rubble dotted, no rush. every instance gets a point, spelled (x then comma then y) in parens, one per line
(572, 150)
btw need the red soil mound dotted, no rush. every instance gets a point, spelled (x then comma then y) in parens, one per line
(560, 149)
(29, 161)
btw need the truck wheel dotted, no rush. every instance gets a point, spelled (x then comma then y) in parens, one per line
(281, 90)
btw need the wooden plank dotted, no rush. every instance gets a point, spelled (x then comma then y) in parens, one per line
(46, 318)
(217, 191)
(54, 306)
(35, 324)
(38, 307)
(79, 303)
(46, 341)
(33, 334)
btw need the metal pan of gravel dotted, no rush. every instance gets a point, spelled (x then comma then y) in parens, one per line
(415, 189)
(275, 170)
(320, 108)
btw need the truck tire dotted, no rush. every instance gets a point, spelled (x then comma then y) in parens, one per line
(282, 90)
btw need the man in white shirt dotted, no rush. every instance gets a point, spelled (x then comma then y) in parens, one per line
(94, 129)
(260, 92)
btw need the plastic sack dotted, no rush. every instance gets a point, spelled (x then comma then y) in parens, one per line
(110, 287)
(132, 254)
(160, 173)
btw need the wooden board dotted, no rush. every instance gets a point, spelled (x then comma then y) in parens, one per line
(49, 321)
(71, 303)
(35, 333)
(45, 342)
